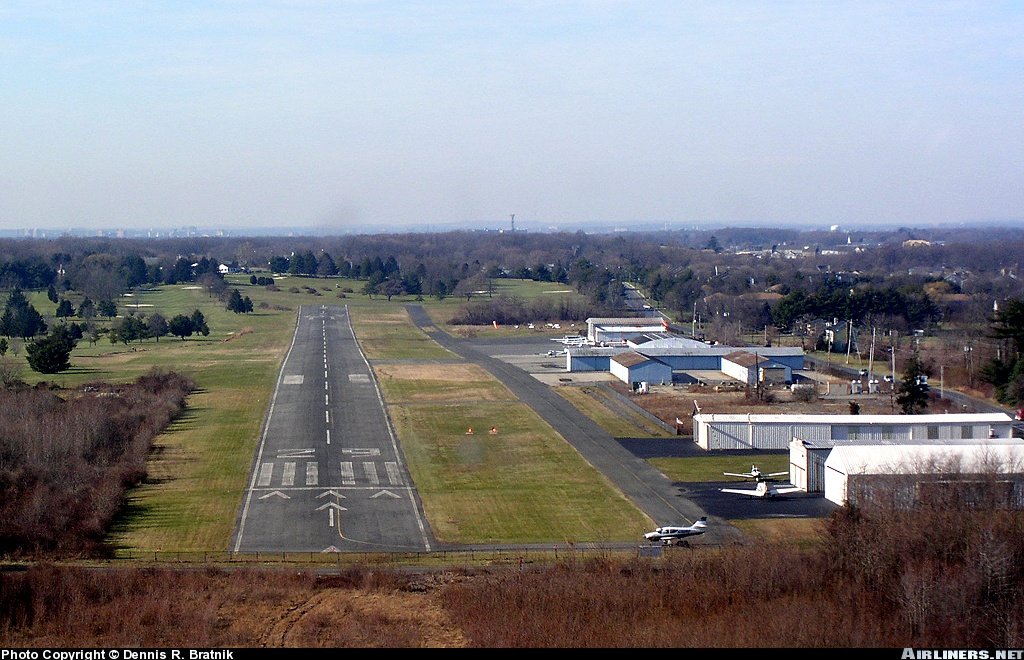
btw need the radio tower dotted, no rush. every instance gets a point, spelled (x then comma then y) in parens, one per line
(513, 223)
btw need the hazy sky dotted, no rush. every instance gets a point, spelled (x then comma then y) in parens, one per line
(345, 114)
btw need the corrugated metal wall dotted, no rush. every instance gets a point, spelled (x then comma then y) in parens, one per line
(776, 435)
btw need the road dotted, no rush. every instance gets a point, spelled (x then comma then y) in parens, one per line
(328, 474)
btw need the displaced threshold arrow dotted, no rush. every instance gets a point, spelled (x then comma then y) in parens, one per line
(276, 492)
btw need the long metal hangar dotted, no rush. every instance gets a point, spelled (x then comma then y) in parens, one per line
(749, 431)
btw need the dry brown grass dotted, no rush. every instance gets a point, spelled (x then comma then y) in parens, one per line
(931, 577)
(456, 373)
(667, 403)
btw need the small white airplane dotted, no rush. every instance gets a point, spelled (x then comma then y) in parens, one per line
(763, 489)
(756, 474)
(674, 535)
(571, 340)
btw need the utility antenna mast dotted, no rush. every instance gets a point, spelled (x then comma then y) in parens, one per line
(513, 223)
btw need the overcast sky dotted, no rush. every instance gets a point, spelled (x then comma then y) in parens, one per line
(351, 114)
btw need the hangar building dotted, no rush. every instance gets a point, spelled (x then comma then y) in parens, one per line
(739, 431)
(972, 475)
(685, 357)
(807, 460)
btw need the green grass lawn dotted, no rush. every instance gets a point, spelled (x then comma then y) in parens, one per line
(522, 484)
(710, 468)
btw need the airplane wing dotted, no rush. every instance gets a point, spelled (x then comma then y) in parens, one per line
(735, 474)
(737, 491)
(779, 474)
(787, 489)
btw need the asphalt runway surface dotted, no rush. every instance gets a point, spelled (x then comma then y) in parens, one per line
(328, 475)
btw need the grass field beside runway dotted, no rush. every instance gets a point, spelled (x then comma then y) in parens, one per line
(711, 466)
(537, 489)
(489, 469)
(521, 484)
(593, 404)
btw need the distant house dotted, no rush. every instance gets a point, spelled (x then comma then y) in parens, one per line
(750, 368)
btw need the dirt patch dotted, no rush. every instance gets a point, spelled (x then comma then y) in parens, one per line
(454, 373)
(365, 619)
(242, 333)
(670, 402)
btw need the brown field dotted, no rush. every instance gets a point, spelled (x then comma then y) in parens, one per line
(670, 402)
(458, 373)
(874, 578)
(454, 382)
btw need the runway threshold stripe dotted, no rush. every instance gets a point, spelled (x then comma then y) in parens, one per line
(348, 476)
(266, 472)
(394, 474)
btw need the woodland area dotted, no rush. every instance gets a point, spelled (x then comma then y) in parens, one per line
(961, 289)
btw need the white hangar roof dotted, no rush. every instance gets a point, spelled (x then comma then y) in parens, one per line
(912, 459)
(634, 322)
(959, 418)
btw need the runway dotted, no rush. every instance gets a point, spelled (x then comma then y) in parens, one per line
(328, 474)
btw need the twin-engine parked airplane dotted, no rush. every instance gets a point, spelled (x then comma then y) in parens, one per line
(674, 535)
(763, 489)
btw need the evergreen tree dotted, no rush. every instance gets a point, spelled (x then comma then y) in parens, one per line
(199, 323)
(239, 304)
(51, 354)
(65, 309)
(912, 392)
(180, 326)
(107, 308)
(20, 318)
